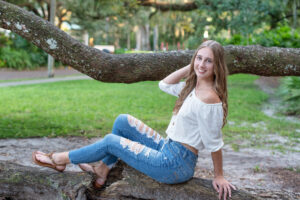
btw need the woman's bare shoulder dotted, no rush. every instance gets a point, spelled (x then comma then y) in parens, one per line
(209, 97)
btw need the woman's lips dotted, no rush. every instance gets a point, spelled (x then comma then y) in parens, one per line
(201, 71)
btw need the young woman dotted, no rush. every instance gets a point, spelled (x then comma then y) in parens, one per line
(198, 116)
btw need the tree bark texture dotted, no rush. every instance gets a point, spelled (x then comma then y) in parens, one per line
(23, 182)
(129, 68)
(124, 182)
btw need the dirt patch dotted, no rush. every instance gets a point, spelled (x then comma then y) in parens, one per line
(268, 84)
(288, 178)
(273, 105)
(257, 171)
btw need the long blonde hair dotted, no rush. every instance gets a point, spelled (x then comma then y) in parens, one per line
(220, 78)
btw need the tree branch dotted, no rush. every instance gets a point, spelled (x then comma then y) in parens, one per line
(289, 15)
(165, 6)
(129, 68)
(30, 7)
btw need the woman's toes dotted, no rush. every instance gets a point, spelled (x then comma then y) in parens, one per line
(39, 152)
(44, 159)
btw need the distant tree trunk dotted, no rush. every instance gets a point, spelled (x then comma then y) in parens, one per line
(128, 40)
(86, 38)
(147, 38)
(155, 38)
(51, 61)
(295, 14)
(142, 38)
(117, 41)
(138, 39)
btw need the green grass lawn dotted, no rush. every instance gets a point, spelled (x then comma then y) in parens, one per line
(88, 108)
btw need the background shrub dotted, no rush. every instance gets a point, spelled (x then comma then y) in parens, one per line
(289, 91)
(18, 53)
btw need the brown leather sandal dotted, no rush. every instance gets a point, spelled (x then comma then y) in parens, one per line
(53, 166)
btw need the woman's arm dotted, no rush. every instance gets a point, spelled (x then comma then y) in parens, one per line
(220, 183)
(176, 76)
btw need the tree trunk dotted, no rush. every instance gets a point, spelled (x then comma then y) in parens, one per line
(147, 38)
(155, 38)
(138, 39)
(294, 14)
(142, 38)
(86, 38)
(128, 40)
(117, 41)
(129, 68)
(124, 182)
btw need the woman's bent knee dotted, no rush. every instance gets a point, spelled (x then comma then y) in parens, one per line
(109, 138)
(121, 120)
(121, 116)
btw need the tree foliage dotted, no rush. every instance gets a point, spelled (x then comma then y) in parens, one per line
(240, 17)
(119, 19)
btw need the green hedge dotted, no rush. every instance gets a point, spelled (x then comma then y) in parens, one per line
(289, 91)
(282, 36)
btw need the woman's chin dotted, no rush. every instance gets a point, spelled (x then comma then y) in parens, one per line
(201, 75)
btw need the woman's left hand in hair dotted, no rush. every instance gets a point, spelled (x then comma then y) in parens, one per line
(221, 185)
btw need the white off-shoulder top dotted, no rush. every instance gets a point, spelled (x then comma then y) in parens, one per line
(197, 124)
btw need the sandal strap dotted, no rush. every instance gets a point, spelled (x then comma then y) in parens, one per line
(50, 155)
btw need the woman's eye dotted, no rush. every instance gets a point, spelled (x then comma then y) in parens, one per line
(209, 61)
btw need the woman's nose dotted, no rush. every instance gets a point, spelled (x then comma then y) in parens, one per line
(201, 64)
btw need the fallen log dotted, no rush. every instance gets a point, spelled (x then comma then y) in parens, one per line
(124, 182)
(23, 182)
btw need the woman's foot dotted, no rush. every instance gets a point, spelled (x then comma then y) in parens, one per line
(52, 160)
(101, 170)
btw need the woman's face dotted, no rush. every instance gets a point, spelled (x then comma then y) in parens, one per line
(204, 63)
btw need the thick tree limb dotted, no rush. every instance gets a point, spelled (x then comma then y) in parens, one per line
(129, 68)
(23, 182)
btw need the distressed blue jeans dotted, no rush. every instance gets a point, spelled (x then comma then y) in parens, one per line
(142, 148)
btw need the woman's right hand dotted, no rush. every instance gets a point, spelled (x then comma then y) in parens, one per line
(176, 76)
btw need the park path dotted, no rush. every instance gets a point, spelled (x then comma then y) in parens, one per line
(39, 76)
(9, 74)
(39, 81)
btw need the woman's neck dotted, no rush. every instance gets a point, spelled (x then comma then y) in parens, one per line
(204, 84)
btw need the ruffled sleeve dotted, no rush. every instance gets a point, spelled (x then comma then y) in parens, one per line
(210, 121)
(172, 89)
